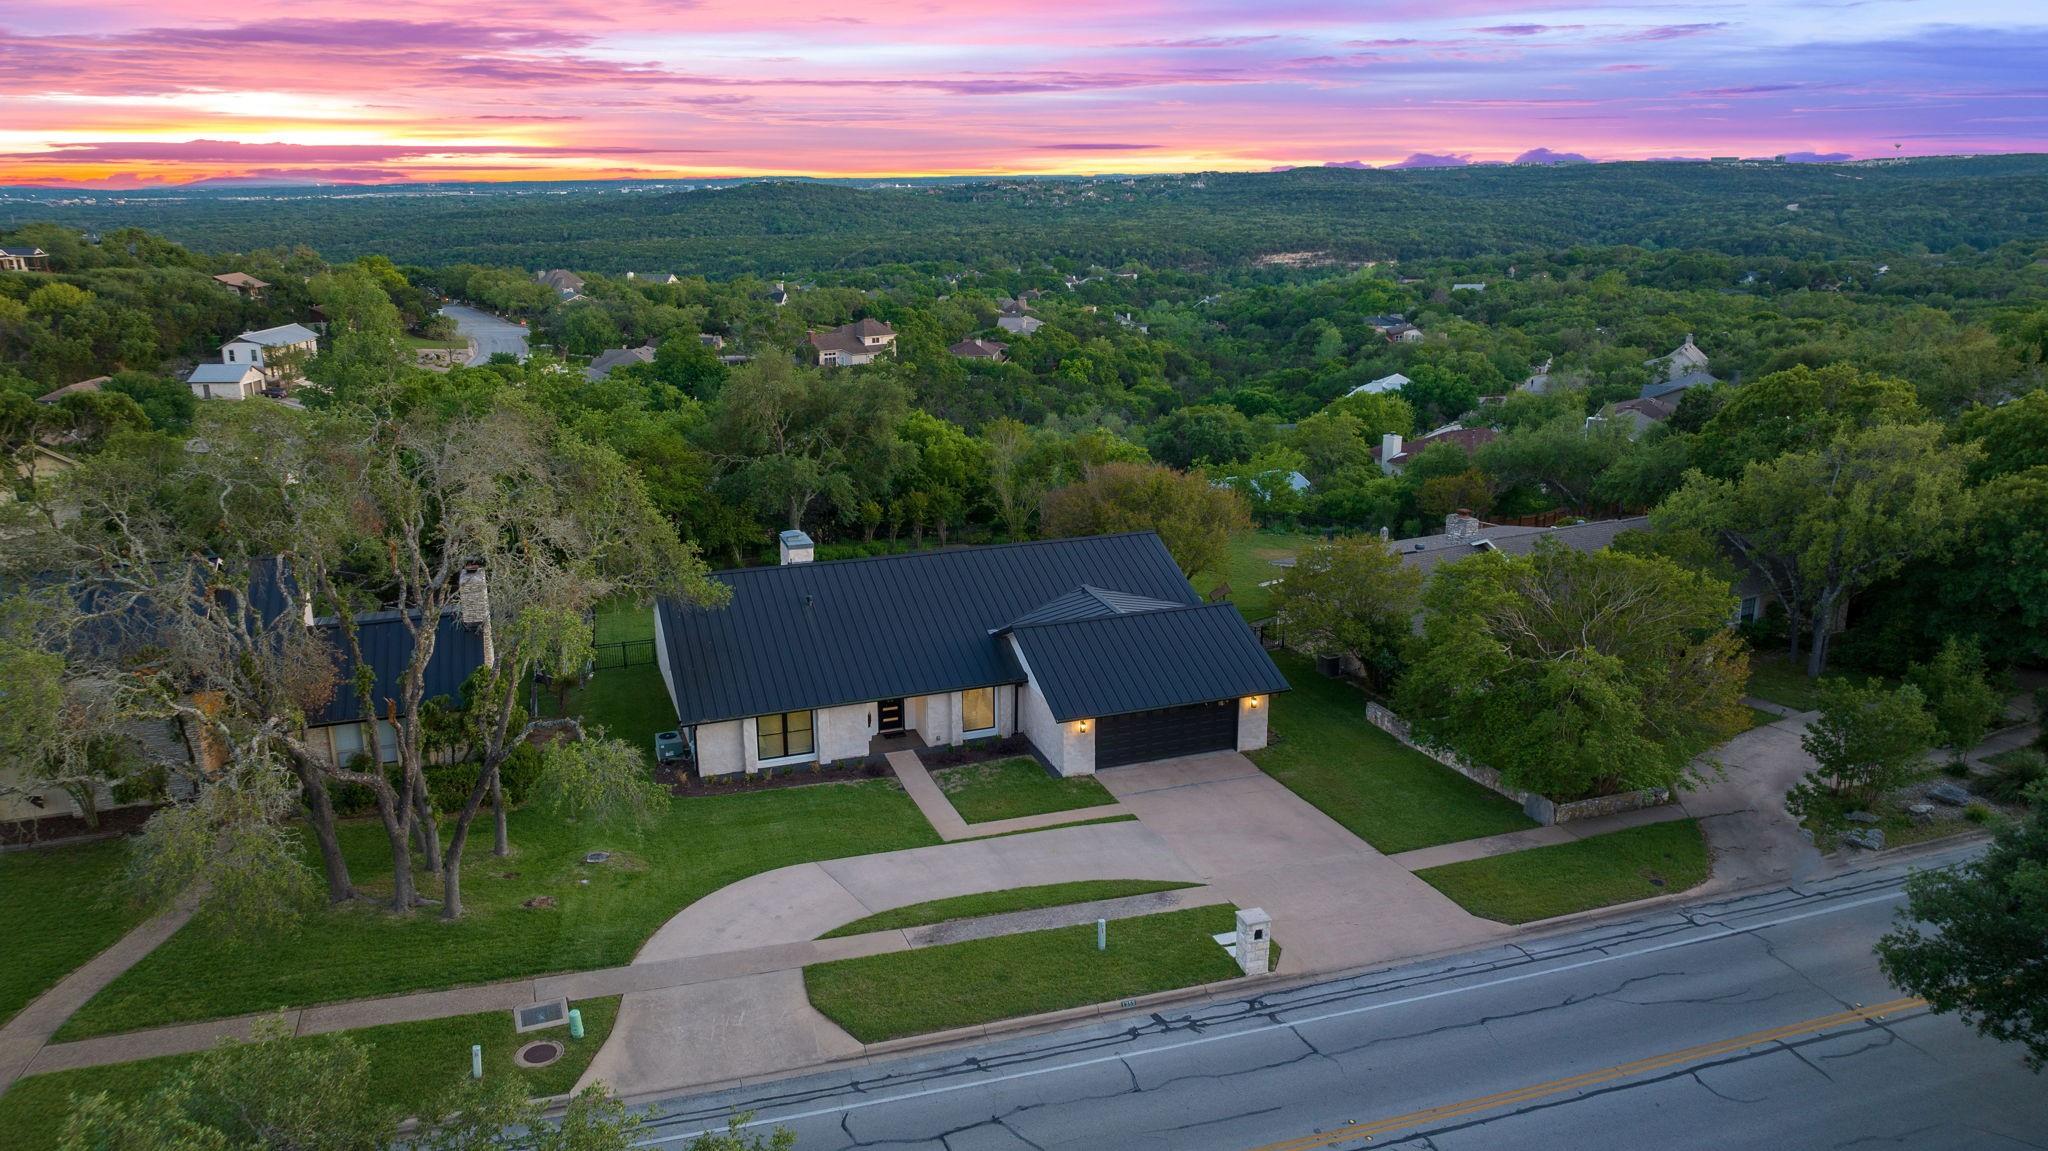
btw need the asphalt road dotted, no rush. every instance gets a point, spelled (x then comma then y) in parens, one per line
(1753, 1022)
(491, 333)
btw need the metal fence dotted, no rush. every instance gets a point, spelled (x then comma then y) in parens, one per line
(623, 653)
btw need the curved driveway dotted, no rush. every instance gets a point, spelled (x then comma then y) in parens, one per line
(490, 334)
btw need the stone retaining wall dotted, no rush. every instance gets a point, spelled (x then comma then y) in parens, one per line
(1540, 808)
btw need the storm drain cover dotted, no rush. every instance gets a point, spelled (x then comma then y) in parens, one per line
(597, 857)
(539, 1015)
(538, 1054)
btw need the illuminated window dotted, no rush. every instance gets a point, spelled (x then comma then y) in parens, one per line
(783, 735)
(978, 710)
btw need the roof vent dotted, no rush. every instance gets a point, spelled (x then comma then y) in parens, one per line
(796, 547)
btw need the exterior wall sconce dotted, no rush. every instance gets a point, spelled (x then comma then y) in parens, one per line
(1081, 725)
(1251, 702)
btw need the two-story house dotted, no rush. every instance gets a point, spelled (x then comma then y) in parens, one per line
(860, 342)
(280, 353)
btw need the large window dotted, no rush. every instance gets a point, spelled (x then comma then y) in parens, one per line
(977, 710)
(784, 735)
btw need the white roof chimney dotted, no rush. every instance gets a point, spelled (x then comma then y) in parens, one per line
(795, 547)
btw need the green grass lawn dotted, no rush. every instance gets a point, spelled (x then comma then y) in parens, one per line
(417, 342)
(1772, 678)
(1008, 788)
(1758, 717)
(1251, 564)
(630, 703)
(56, 911)
(1391, 796)
(411, 1064)
(936, 988)
(701, 844)
(998, 902)
(1636, 863)
(620, 620)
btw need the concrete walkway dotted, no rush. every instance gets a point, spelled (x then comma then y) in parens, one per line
(760, 1022)
(1556, 833)
(938, 810)
(28, 1034)
(1335, 902)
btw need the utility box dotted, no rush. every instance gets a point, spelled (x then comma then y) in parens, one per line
(1254, 940)
(668, 747)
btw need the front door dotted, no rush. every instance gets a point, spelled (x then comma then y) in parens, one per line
(889, 716)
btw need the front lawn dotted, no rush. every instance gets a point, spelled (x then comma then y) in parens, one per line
(1250, 564)
(881, 997)
(1619, 867)
(411, 1064)
(1008, 788)
(1392, 796)
(1782, 683)
(585, 916)
(998, 902)
(59, 907)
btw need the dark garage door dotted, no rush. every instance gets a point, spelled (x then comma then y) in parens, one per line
(1165, 733)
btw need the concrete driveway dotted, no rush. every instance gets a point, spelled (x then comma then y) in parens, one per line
(1742, 809)
(1335, 901)
(490, 334)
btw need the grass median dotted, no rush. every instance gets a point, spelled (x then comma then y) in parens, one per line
(1541, 882)
(929, 989)
(1000, 902)
(411, 1064)
(1010, 788)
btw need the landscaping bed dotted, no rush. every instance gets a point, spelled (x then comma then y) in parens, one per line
(582, 916)
(880, 997)
(1393, 797)
(999, 902)
(1541, 882)
(59, 907)
(1010, 788)
(411, 1064)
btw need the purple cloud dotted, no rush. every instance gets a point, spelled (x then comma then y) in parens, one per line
(1431, 160)
(1346, 164)
(1527, 29)
(1093, 147)
(1671, 31)
(1546, 156)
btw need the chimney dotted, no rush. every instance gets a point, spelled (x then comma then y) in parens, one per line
(473, 600)
(796, 547)
(1390, 446)
(1460, 525)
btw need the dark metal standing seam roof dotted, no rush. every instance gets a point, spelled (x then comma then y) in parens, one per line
(387, 647)
(1114, 664)
(824, 634)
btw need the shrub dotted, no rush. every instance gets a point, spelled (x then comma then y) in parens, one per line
(1960, 697)
(2009, 781)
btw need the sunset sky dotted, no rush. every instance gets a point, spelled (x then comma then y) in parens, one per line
(123, 93)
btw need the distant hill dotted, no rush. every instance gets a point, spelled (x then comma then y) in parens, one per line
(1206, 221)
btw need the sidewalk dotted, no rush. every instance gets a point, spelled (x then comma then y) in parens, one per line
(27, 1035)
(1551, 835)
(931, 800)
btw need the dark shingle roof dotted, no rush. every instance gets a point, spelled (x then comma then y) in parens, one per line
(1137, 661)
(823, 634)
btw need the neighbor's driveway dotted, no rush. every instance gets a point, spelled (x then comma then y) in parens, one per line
(1335, 902)
(1742, 810)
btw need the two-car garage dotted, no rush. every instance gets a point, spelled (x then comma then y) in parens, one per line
(1163, 733)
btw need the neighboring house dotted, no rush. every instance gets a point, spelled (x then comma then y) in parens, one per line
(1465, 535)
(778, 295)
(225, 381)
(1640, 414)
(244, 284)
(264, 348)
(80, 388)
(1009, 307)
(1470, 286)
(857, 343)
(654, 277)
(24, 260)
(711, 340)
(566, 284)
(1394, 454)
(979, 350)
(1672, 386)
(603, 363)
(1682, 360)
(1094, 649)
(1403, 334)
(1019, 325)
(1393, 383)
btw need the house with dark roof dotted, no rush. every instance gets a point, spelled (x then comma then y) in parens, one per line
(1094, 649)
(857, 343)
(1668, 389)
(601, 365)
(979, 350)
(24, 260)
(1639, 414)
(74, 389)
(567, 284)
(1394, 454)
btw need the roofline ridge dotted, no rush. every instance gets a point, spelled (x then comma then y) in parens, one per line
(1119, 615)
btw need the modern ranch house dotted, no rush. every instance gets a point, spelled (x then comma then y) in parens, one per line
(1095, 649)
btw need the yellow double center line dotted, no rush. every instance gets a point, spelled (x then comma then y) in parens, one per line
(1520, 1095)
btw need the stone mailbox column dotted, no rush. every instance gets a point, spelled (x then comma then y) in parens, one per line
(1254, 940)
